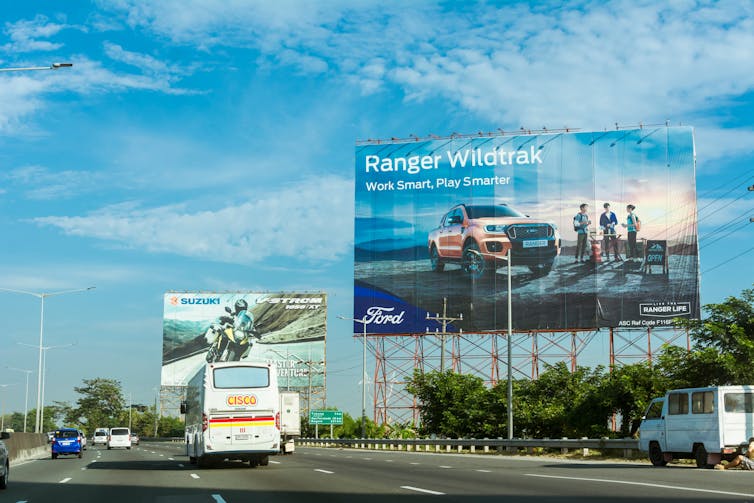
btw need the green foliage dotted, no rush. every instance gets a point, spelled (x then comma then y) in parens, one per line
(452, 405)
(100, 406)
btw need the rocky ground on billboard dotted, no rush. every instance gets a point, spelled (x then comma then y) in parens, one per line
(573, 295)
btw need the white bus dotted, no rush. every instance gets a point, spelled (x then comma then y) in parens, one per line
(232, 412)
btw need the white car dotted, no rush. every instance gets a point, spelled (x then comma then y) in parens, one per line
(119, 437)
(100, 437)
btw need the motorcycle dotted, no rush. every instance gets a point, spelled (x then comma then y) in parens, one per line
(232, 338)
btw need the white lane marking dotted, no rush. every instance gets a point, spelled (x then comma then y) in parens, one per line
(484, 471)
(388, 461)
(64, 480)
(194, 476)
(22, 501)
(162, 455)
(180, 465)
(323, 471)
(274, 462)
(84, 468)
(444, 466)
(420, 490)
(171, 459)
(218, 498)
(367, 459)
(414, 463)
(644, 484)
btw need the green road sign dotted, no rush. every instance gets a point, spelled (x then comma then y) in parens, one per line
(325, 417)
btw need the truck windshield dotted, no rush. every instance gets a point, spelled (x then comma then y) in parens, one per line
(739, 402)
(241, 377)
(491, 211)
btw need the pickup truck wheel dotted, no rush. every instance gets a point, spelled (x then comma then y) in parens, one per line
(473, 262)
(700, 456)
(434, 258)
(656, 456)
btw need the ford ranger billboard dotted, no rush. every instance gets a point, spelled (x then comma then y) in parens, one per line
(598, 229)
(287, 329)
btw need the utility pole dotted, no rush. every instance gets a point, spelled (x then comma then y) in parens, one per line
(445, 320)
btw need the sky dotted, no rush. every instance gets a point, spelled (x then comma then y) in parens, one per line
(209, 145)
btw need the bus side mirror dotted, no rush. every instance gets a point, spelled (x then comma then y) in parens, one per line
(184, 407)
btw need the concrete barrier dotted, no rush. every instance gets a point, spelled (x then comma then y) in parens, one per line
(25, 446)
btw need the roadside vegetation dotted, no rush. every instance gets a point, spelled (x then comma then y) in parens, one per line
(560, 403)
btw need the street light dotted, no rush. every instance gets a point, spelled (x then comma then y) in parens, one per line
(510, 348)
(42, 296)
(364, 324)
(53, 66)
(26, 397)
(2, 407)
(41, 413)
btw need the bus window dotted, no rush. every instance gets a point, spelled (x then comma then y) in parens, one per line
(241, 377)
(702, 402)
(678, 403)
(739, 402)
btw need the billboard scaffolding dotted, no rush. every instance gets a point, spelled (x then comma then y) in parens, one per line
(396, 357)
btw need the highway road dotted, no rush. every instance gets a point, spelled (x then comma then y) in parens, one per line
(159, 472)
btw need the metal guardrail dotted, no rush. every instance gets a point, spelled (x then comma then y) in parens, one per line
(629, 446)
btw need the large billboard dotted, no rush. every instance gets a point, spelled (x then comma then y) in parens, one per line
(600, 228)
(287, 329)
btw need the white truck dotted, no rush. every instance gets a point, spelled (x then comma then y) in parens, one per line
(232, 412)
(290, 420)
(705, 424)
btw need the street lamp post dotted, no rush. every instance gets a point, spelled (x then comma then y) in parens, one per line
(26, 396)
(42, 296)
(510, 346)
(364, 324)
(53, 66)
(40, 410)
(2, 406)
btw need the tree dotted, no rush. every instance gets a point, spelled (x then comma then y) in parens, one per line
(628, 390)
(728, 331)
(100, 406)
(561, 403)
(452, 405)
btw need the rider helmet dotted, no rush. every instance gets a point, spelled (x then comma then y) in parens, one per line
(241, 305)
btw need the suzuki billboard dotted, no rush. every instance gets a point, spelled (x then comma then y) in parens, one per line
(287, 329)
(599, 227)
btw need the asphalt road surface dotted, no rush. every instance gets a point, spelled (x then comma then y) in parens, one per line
(161, 473)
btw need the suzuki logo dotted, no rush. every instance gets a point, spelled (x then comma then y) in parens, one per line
(382, 316)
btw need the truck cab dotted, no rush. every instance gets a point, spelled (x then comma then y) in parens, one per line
(706, 424)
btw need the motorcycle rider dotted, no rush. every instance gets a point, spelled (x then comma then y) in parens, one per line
(238, 326)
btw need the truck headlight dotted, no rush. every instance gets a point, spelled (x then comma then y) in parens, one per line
(496, 229)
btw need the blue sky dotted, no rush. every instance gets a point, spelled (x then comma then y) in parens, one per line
(209, 145)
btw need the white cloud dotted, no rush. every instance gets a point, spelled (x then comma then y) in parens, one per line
(586, 64)
(309, 221)
(40, 183)
(27, 36)
(144, 62)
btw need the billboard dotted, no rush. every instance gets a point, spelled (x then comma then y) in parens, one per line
(437, 220)
(287, 329)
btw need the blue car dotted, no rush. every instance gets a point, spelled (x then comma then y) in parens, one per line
(66, 441)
